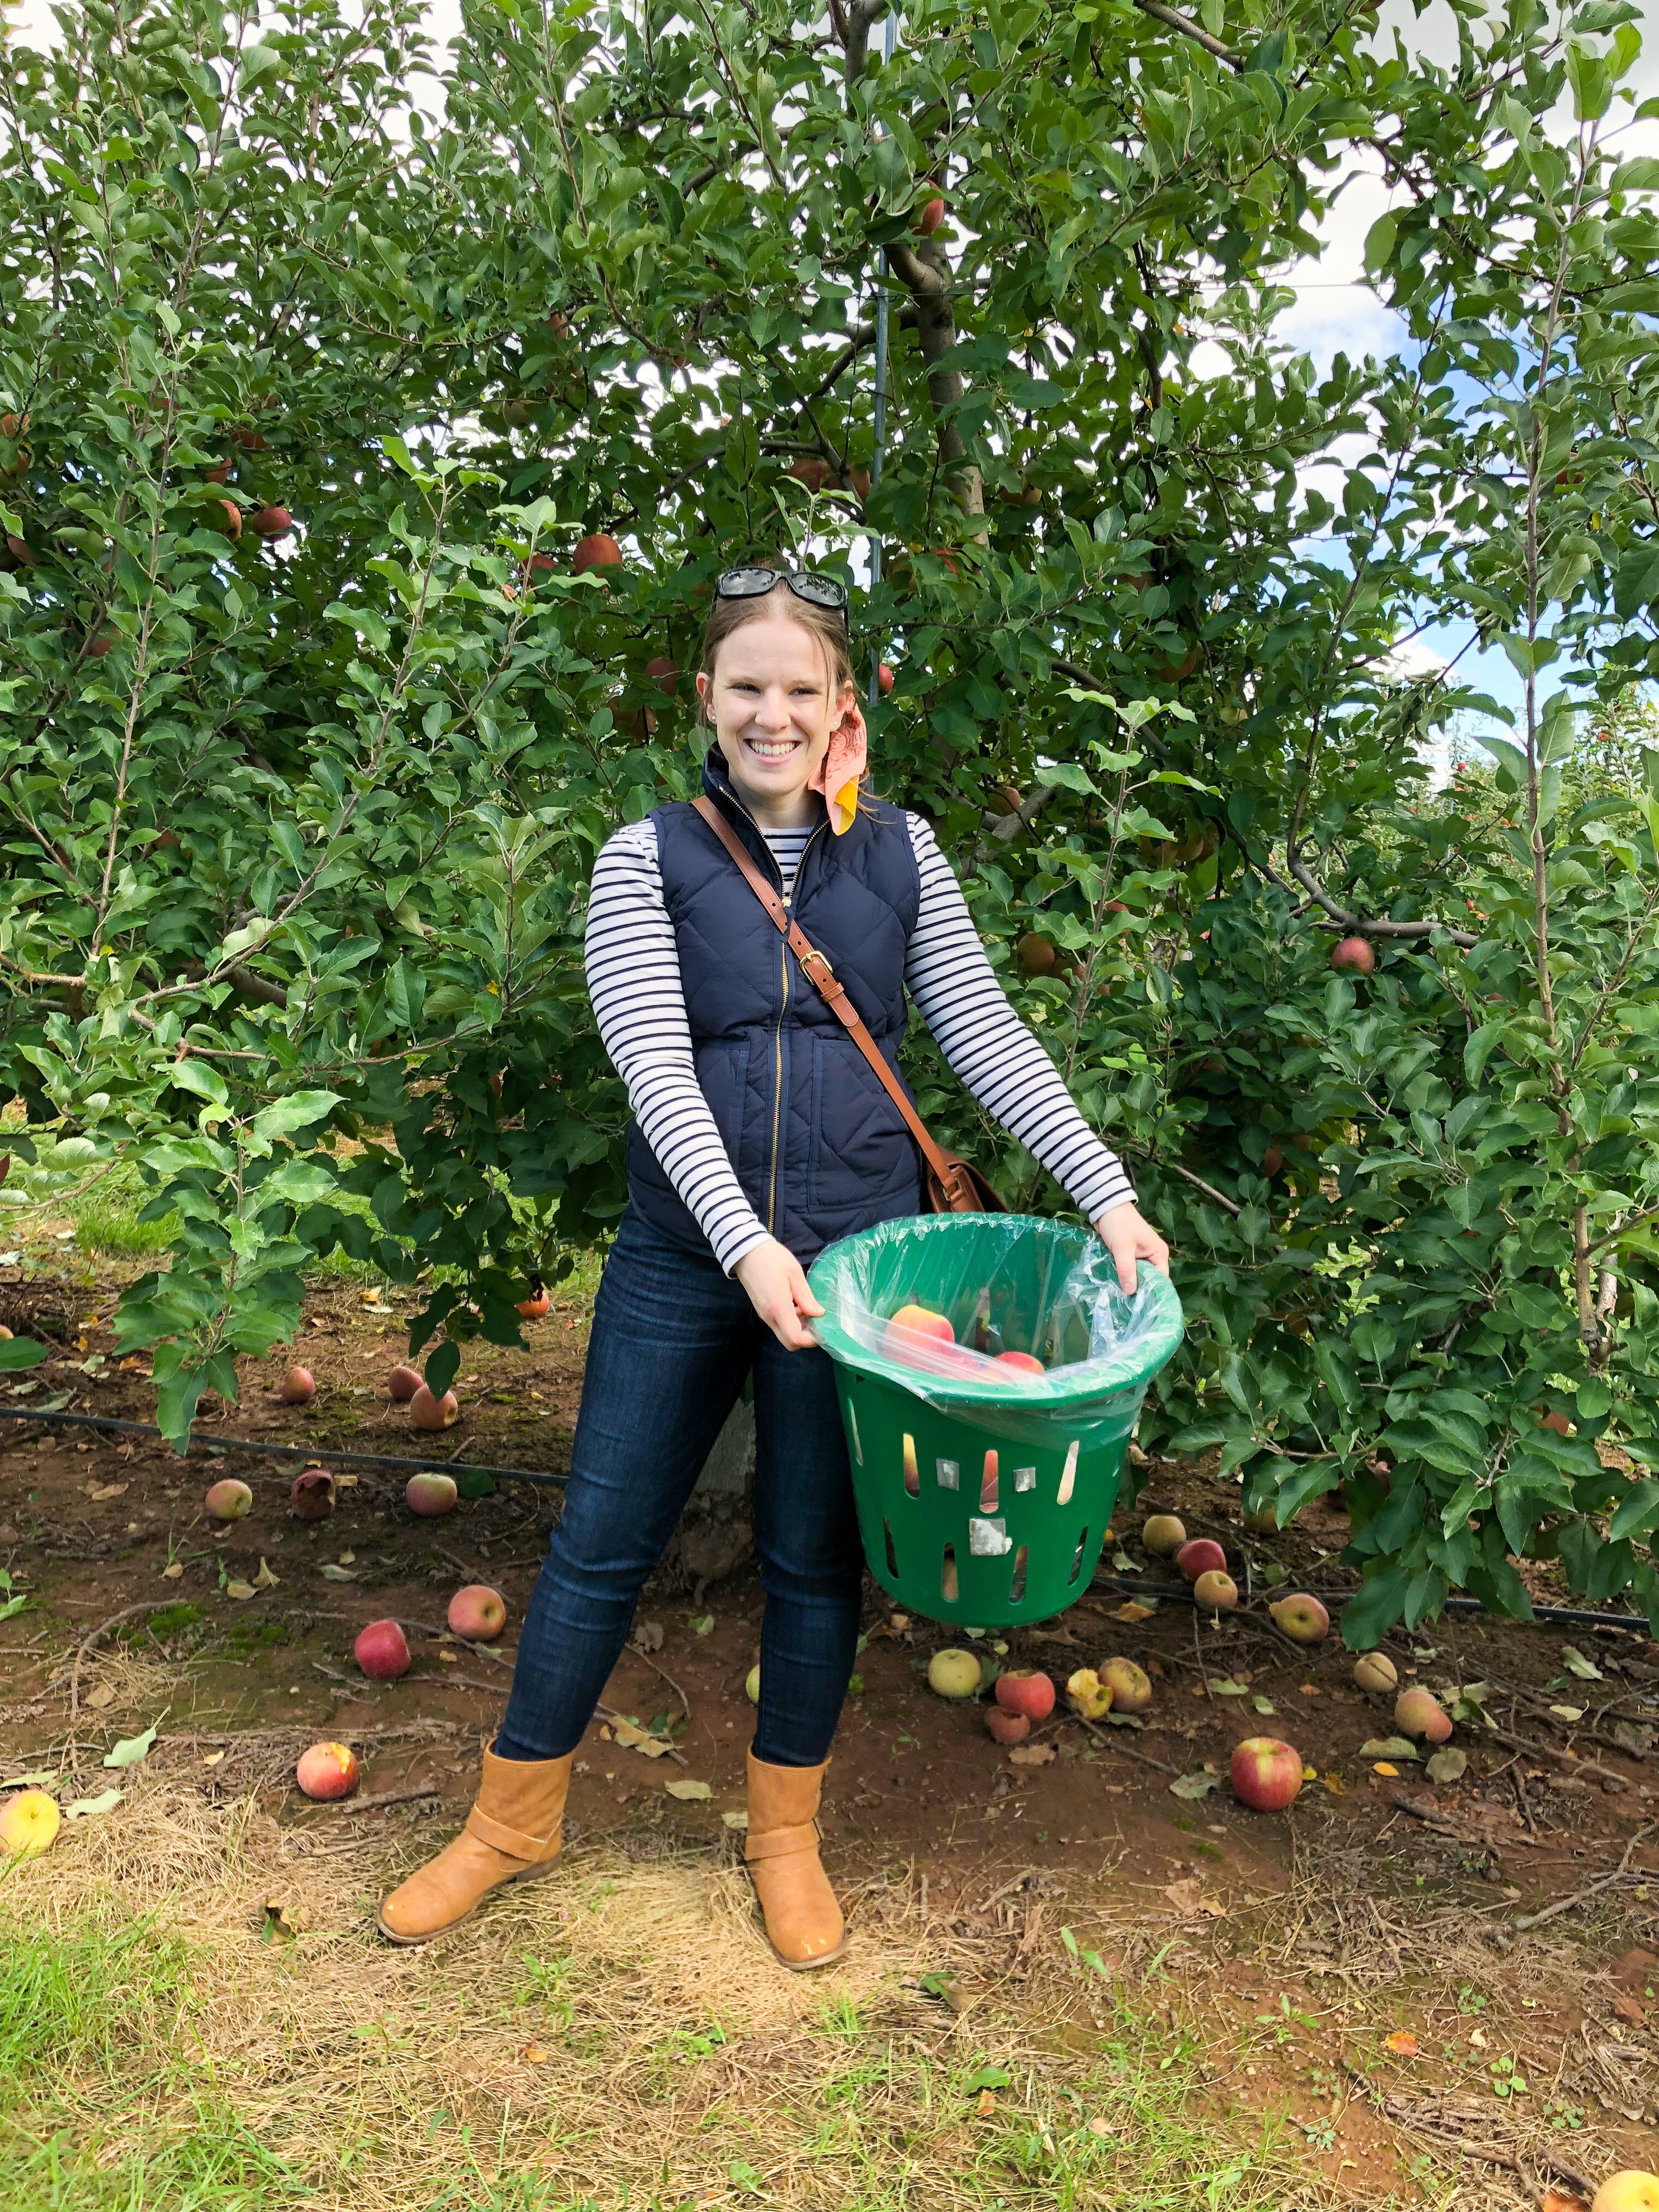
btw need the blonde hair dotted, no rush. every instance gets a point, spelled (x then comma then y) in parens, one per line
(827, 624)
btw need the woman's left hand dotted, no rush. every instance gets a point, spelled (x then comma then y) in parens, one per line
(1129, 1238)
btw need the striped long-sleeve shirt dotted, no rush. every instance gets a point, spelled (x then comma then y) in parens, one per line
(633, 979)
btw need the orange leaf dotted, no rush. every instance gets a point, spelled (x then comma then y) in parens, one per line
(1562, 2200)
(987, 2104)
(1403, 2045)
(1383, 1767)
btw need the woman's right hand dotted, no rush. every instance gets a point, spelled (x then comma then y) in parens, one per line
(776, 1284)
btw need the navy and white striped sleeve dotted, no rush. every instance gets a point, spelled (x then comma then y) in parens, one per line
(989, 1047)
(633, 969)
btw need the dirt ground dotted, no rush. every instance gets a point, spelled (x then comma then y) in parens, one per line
(1427, 1992)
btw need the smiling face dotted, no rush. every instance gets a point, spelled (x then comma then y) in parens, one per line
(772, 707)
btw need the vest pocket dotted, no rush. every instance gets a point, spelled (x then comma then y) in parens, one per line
(860, 1148)
(722, 1064)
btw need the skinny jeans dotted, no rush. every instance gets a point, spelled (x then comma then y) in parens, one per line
(673, 1338)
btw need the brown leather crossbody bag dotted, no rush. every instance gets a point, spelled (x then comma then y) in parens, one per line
(950, 1185)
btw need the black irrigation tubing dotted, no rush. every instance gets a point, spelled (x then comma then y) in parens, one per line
(313, 1458)
(1575, 1616)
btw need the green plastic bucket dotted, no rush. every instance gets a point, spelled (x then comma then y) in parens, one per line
(983, 1496)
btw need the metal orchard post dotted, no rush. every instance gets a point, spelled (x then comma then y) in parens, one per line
(879, 436)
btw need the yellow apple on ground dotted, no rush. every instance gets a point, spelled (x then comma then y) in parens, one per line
(1130, 1686)
(752, 1684)
(1302, 1617)
(28, 1822)
(1420, 1713)
(228, 1500)
(1629, 2191)
(1090, 1699)
(953, 1673)
(1375, 1671)
(1215, 1592)
(1163, 1535)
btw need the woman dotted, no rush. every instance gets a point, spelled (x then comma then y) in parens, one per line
(760, 1134)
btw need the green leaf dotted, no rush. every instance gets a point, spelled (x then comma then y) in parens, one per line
(1637, 1512)
(443, 1364)
(18, 1353)
(1379, 243)
(131, 1749)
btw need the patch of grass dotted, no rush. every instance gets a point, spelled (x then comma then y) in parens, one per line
(105, 2005)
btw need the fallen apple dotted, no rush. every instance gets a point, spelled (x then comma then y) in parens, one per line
(1420, 1713)
(1266, 1773)
(1005, 1727)
(1355, 953)
(1025, 1690)
(429, 1413)
(313, 1494)
(402, 1384)
(953, 1673)
(1302, 1617)
(229, 1499)
(1200, 1555)
(1215, 1592)
(327, 1770)
(537, 1305)
(751, 1685)
(382, 1651)
(296, 1387)
(1374, 1671)
(1628, 2191)
(1131, 1686)
(430, 1495)
(1162, 1534)
(477, 1614)
(1262, 1520)
(28, 1822)
(1090, 1699)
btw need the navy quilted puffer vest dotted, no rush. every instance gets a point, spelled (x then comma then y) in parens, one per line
(816, 1143)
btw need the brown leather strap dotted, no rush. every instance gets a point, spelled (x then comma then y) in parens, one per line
(781, 1843)
(822, 976)
(513, 1841)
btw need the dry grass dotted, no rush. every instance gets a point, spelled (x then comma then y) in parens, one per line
(616, 2035)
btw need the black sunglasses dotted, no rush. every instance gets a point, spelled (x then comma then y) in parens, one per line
(812, 585)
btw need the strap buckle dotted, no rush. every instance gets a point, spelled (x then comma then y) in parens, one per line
(807, 959)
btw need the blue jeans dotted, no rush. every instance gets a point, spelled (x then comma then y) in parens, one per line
(673, 1338)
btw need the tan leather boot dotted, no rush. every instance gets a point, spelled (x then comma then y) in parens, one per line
(803, 1920)
(512, 1834)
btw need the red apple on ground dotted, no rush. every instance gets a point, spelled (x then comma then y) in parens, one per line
(28, 1822)
(1266, 1773)
(1200, 1555)
(228, 1500)
(382, 1651)
(1215, 1592)
(538, 1306)
(1374, 1671)
(1131, 1686)
(270, 522)
(402, 1384)
(598, 549)
(429, 1413)
(884, 678)
(1005, 1727)
(1303, 1618)
(296, 1387)
(477, 1613)
(1420, 1713)
(1026, 1690)
(1355, 953)
(313, 1494)
(327, 1770)
(431, 1494)
(953, 1673)
(1162, 1534)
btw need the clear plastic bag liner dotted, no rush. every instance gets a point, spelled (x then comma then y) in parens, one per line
(1004, 1283)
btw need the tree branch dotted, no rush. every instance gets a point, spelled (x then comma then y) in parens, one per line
(1173, 20)
(1315, 890)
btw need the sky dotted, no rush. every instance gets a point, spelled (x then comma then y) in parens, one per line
(1334, 309)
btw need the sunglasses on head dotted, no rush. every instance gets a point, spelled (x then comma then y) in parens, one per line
(812, 585)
